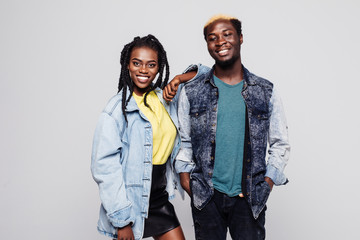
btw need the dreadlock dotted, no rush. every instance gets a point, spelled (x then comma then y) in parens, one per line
(125, 81)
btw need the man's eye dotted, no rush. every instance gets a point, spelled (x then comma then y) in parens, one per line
(212, 38)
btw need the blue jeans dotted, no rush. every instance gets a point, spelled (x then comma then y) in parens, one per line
(224, 212)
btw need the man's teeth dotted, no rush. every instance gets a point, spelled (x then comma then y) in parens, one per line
(223, 51)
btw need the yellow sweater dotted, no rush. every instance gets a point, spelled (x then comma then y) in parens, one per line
(163, 129)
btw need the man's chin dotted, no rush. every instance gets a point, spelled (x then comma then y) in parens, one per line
(225, 63)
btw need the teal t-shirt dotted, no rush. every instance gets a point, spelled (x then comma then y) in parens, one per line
(230, 136)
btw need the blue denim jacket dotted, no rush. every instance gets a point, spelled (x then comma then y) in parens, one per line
(265, 124)
(121, 165)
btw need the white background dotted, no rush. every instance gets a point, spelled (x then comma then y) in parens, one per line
(59, 65)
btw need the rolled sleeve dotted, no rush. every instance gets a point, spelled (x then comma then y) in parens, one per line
(279, 147)
(121, 218)
(182, 166)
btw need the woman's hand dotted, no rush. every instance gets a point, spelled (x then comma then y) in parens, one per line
(125, 233)
(170, 90)
(185, 182)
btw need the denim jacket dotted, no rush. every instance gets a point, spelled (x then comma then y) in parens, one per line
(265, 123)
(121, 165)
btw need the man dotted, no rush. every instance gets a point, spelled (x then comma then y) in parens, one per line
(227, 115)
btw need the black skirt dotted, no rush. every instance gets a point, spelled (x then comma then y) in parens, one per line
(161, 217)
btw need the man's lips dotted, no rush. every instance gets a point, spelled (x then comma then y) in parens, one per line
(223, 52)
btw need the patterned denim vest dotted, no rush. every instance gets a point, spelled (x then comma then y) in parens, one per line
(203, 99)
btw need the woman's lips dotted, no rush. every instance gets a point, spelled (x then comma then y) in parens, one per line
(142, 79)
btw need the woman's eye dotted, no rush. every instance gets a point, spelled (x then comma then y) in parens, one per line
(152, 65)
(136, 64)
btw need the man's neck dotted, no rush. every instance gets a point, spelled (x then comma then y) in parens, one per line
(231, 74)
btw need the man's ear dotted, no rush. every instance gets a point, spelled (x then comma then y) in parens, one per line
(241, 38)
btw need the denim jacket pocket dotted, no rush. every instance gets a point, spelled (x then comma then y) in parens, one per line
(262, 190)
(197, 113)
(259, 125)
(199, 120)
(200, 191)
(262, 115)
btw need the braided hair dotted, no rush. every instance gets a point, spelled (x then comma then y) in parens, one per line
(125, 81)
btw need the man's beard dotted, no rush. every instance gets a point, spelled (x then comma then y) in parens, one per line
(227, 63)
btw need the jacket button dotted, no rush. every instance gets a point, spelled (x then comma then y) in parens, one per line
(212, 158)
(196, 114)
(210, 174)
(214, 109)
(248, 176)
(216, 93)
(212, 141)
(248, 160)
(213, 124)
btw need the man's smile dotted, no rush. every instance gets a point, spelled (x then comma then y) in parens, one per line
(223, 52)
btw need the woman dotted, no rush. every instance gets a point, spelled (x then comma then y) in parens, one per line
(134, 147)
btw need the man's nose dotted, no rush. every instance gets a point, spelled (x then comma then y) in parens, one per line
(220, 41)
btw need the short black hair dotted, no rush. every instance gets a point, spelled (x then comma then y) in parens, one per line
(234, 21)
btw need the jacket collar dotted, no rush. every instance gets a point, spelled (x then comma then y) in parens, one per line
(249, 78)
